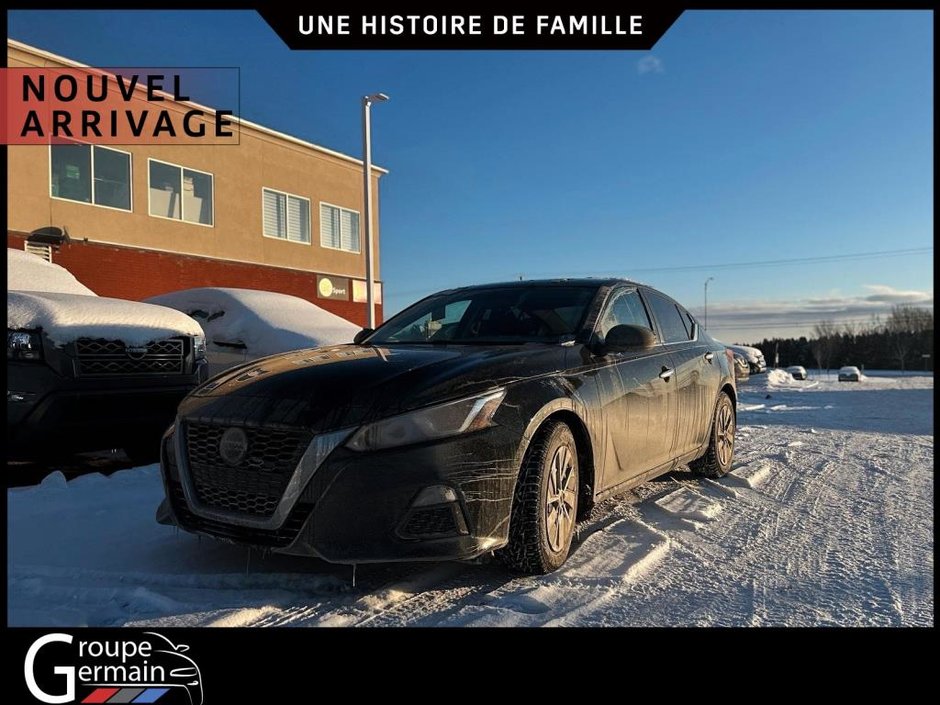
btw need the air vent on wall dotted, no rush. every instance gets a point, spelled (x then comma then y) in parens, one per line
(44, 251)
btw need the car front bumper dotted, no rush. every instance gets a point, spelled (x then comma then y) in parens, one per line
(49, 411)
(449, 499)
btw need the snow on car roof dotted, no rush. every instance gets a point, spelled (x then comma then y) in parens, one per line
(68, 317)
(265, 322)
(47, 296)
(27, 272)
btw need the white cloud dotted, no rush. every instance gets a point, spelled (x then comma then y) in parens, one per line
(891, 295)
(650, 64)
(753, 320)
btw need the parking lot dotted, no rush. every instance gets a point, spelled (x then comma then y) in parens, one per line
(826, 519)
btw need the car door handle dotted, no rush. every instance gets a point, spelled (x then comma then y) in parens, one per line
(666, 373)
(709, 356)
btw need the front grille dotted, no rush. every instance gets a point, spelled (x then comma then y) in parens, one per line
(271, 538)
(111, 357)
(254, 486)
(430, 521)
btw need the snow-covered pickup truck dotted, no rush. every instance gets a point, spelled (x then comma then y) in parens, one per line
(85, 372)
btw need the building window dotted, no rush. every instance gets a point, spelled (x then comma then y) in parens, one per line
(180, 193)
(339, 228)
(91, 174)
(286, 216)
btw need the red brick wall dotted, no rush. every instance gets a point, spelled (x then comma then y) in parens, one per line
(130, 273)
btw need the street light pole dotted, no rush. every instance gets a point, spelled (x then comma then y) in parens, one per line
(705, 322)
(367, 101)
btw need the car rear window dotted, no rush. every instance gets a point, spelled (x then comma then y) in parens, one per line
(670, 321)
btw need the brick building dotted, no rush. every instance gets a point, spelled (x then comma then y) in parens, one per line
(273, 212)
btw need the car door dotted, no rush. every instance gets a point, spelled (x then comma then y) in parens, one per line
(697, 372)
(641, 421)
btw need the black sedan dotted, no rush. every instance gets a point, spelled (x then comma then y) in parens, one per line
(480, 419)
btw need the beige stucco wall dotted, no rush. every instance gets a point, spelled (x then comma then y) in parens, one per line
(239, 171)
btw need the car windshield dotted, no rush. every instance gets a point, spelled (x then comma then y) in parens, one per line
(497, 315)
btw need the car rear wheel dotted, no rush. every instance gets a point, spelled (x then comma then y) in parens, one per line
(545, 504)
(717, 459)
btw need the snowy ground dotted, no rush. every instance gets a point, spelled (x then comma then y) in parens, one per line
(827, 519)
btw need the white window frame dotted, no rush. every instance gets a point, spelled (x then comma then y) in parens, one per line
(130, 177)
(181, 219)
(309, 216)
(341, 209)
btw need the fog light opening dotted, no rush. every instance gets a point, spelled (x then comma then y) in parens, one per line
(435, 494)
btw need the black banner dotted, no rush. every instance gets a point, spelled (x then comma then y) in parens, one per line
(632, 28)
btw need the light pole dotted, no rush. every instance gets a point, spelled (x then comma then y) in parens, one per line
(367, 101)
(705, 322)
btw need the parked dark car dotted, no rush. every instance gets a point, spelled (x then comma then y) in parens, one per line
(742, 370)
(85, 372)
(479, 419)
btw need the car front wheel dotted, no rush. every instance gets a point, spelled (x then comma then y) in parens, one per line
(545, 503)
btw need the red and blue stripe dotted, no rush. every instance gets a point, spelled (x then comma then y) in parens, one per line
(125, 695)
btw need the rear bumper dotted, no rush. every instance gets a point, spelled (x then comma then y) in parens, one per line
(49, 411)
(365, 507)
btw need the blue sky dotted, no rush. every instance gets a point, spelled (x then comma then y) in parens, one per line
(742, 137)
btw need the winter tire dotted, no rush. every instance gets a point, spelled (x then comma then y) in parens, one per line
(717, 459)
(545, 504)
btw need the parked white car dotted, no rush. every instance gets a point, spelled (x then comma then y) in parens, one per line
(245, 324)
(754, 357)
(850, 373)
(797, 371)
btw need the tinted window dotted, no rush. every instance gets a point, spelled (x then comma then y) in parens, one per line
(667, 315)
(497, 315)
(625, 308)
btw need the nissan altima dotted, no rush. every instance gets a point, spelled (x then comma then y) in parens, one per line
(485, 419)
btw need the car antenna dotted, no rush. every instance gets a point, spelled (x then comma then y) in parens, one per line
(354, 575)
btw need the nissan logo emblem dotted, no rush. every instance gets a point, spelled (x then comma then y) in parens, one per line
(233, 446)
(136, 353)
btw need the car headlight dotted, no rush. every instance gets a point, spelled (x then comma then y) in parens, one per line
(199, 346)
(24, 345)
(450, 419)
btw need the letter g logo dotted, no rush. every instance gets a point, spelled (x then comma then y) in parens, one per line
(67, 671)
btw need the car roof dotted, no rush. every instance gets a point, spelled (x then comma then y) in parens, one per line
(533, 283)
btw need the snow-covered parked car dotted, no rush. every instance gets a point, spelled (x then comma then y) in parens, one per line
(850, 373)
(742, 370)
(754, 357)
(797, 371)
(85, 372)
(244, 324)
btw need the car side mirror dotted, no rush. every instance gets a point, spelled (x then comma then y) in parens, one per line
(362, 335)
(628, 338)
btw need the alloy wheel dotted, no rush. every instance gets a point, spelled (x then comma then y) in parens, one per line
(560, 498)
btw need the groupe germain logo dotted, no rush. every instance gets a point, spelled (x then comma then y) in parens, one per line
(148, 669)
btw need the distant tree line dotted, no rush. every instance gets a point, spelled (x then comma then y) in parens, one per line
(897, 343)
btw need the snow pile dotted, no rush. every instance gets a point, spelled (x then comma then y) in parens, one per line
(265, 322)
(68, 317)
(26, 272)
(779, 378)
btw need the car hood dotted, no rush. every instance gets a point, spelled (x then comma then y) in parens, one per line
(65, 318)
(346, 385)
